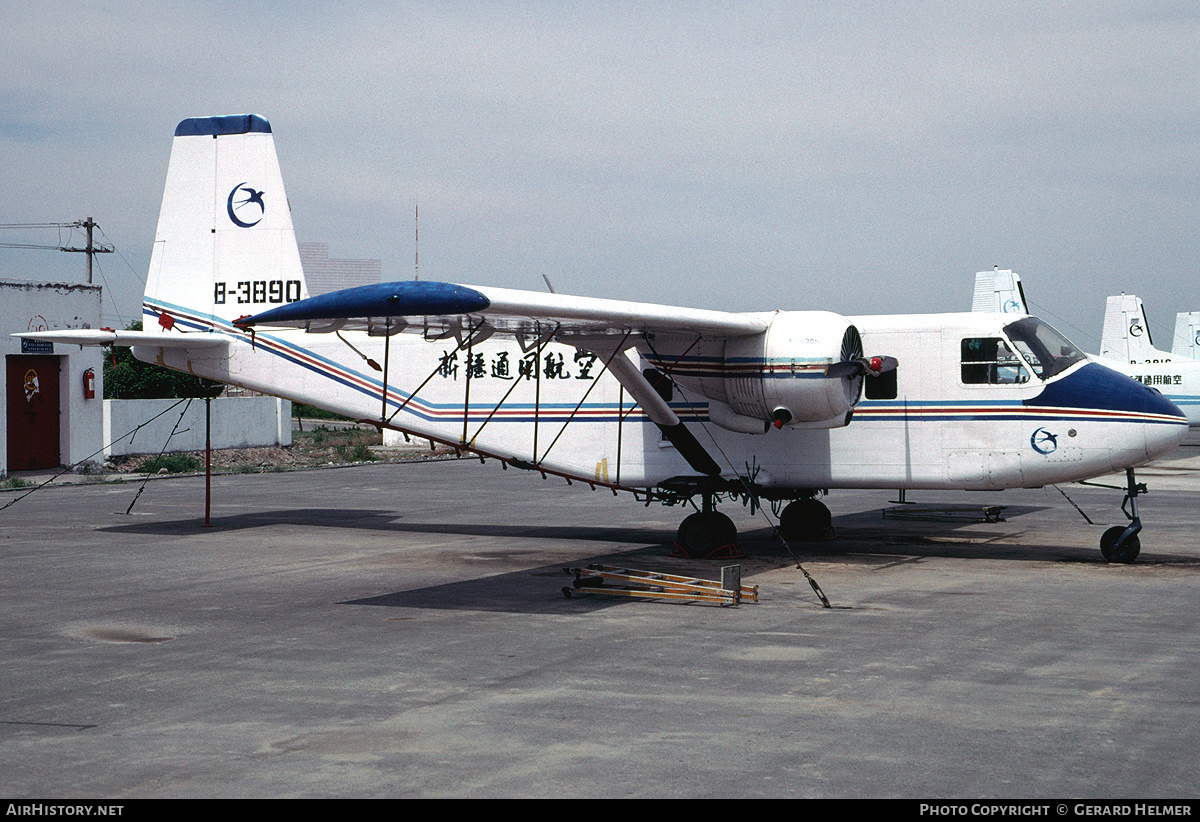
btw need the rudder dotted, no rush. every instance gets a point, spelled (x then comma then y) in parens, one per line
(999, 291)
(1126, 334)
(225, 246)
(1187, 335)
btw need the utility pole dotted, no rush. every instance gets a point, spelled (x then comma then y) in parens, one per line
(92, 249)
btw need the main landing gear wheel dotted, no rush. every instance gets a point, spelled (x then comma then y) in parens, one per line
(705, 531)
(1120, 543)
(1127, 552)
(805, 519)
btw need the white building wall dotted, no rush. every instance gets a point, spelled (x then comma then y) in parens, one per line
(27, 306)
(237, 422)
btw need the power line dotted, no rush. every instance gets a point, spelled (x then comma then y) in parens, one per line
(29, 245)
(39, 225)
(91, 248)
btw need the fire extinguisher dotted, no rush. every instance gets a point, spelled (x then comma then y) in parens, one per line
(89, 384)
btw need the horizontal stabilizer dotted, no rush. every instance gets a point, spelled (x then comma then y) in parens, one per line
(97, 336)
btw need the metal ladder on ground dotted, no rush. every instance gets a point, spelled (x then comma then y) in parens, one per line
(631, 582)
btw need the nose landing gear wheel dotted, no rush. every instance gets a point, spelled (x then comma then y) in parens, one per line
(1121, 543)
(1127, 552)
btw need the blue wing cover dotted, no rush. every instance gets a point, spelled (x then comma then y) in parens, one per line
(412, 298)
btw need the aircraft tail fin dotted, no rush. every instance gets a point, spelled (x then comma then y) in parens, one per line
(225, 246)
(1187, 335)
(999, 291)
(1126, 334)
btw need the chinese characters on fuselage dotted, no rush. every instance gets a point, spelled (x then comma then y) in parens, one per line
(1160, 379)
(500, 366)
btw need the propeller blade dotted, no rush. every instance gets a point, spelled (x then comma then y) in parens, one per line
(871, 366)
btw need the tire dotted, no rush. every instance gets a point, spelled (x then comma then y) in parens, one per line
(701, 534)
(1127, 552)
(804, 519)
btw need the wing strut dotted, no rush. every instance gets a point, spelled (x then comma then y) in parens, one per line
(387, 358)
(661, 414)
(614, 355)
(461, 344)
(537, 380)
(678, 435)
(690, 449)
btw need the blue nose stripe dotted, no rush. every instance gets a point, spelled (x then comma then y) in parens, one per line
(1101, 388)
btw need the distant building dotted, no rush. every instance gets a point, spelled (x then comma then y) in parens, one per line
(53, 411)
(324, 274)
(53, 392)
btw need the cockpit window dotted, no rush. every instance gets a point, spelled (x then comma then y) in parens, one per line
(1047, 352)
(989, 361)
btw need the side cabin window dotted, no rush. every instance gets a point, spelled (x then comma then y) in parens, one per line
(989, 361)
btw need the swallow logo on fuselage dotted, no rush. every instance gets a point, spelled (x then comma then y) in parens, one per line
(1043, 441)
(245, 206)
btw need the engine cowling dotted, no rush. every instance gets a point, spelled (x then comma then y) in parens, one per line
(780, 377)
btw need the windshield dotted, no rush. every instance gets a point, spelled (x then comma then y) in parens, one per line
(1047, 352)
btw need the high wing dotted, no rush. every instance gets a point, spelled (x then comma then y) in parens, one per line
(472, 314)
(436, 305)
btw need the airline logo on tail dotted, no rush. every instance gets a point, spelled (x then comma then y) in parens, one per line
(248, 211)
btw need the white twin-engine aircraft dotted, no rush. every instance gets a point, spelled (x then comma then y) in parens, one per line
(671, 404)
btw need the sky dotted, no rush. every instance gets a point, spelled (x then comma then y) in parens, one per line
(858, 157)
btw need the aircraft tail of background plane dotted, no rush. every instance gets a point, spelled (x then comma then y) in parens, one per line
(1187, 335)
(225, 246)
(999, 291)
(1126, 334)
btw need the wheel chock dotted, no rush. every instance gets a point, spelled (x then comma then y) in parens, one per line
(731, 551)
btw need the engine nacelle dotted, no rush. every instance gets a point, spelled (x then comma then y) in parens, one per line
(779, 376)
